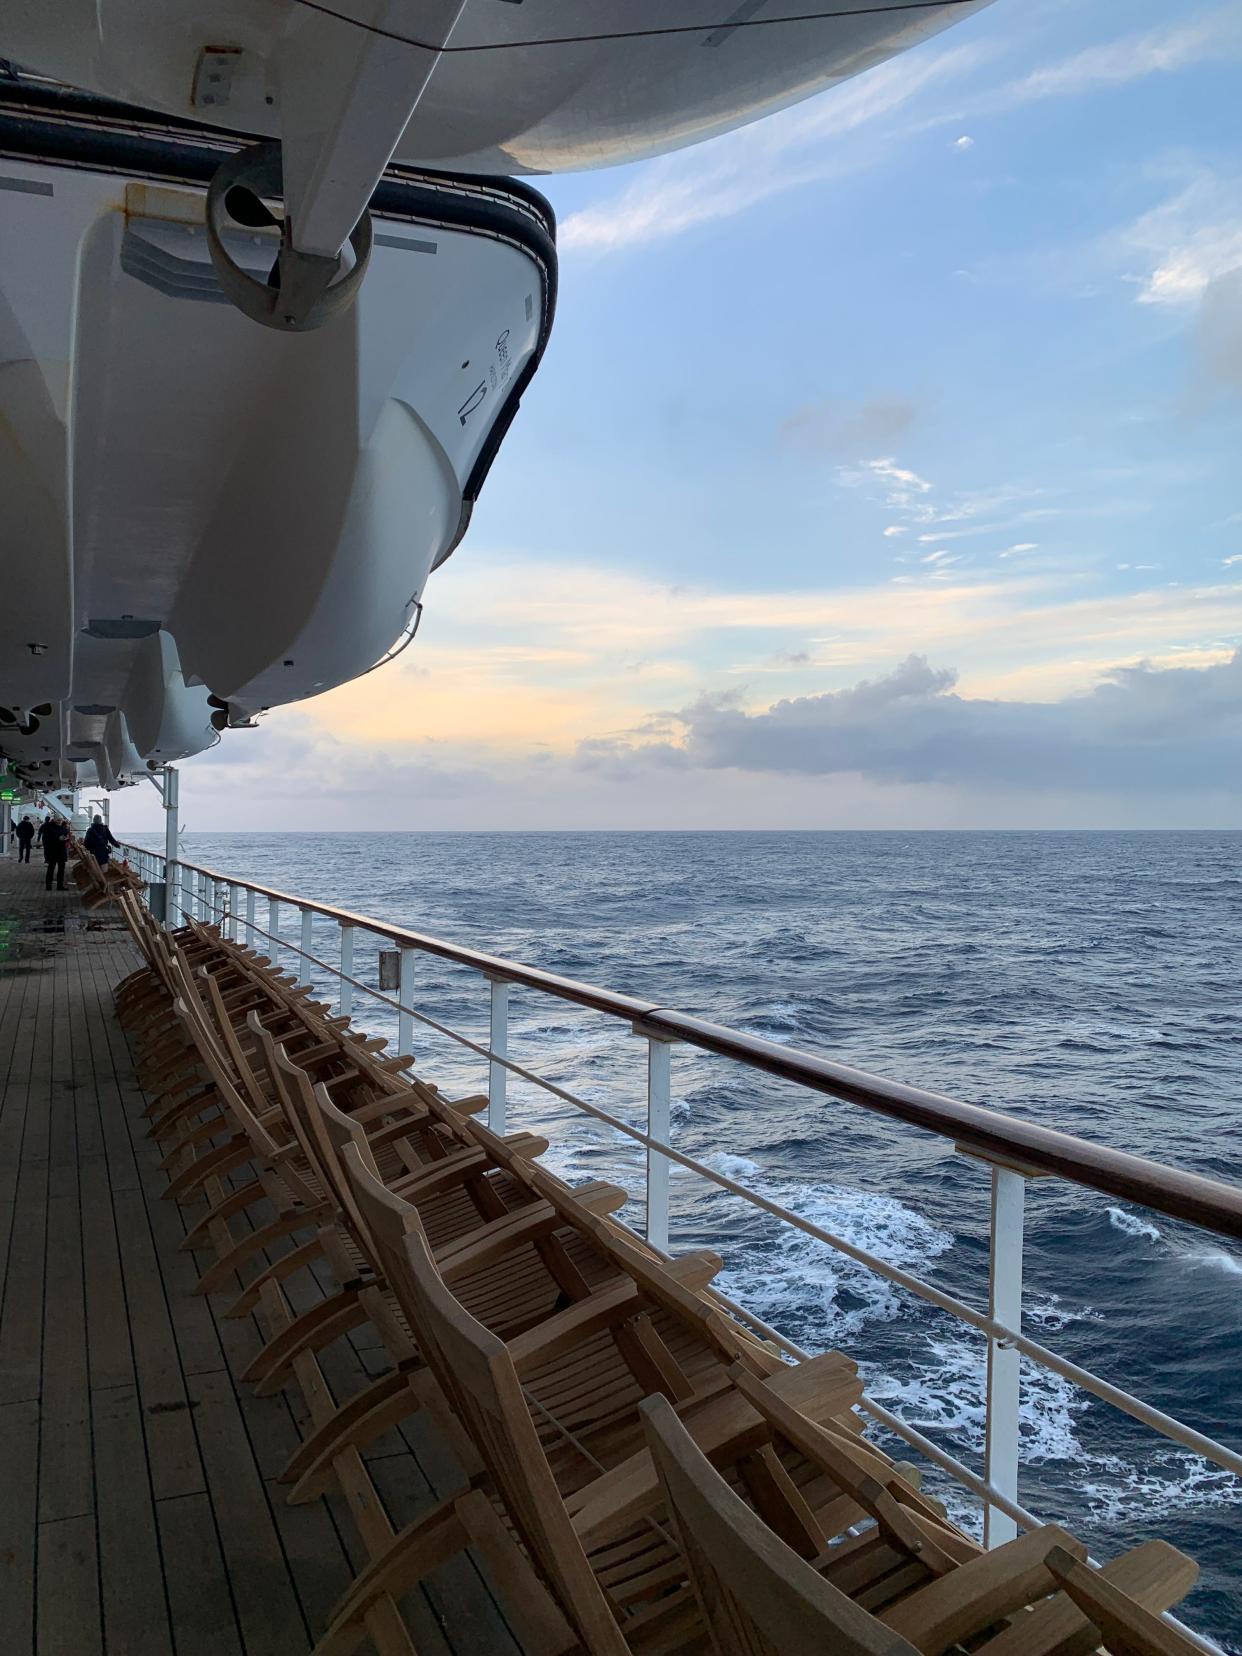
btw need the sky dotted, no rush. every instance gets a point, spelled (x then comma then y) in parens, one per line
(884, 470)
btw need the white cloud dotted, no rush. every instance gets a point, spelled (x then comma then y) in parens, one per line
(900, 475)
(1227, 562)
(895, 529)
(609, 616)
(913, 498)
(1017, 550)
(1117, 62)
(1151, 742)
(801, 145)
(1143, 727)
(786, 150)
(1187, 242)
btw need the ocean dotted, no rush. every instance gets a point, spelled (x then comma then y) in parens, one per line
(1089, 981)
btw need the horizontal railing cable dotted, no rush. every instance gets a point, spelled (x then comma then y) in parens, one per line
(1167, 1425)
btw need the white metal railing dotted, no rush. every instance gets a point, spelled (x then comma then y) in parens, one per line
(205, 895)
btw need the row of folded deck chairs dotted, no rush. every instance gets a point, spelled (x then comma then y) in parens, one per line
(638, 1472)
(99, 883)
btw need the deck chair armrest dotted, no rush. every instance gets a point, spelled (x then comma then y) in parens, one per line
(725, 1426)
(558, 1334)
(984, 1591)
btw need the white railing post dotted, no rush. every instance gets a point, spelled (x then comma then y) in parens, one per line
(304, 965)
(251, 940)
(273, 929)
(347, 971)
(1004, 1362)
(659, 1075)
(172, 784)
(498, 1045)
(405, 997)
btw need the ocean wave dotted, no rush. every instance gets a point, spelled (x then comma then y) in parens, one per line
(738, 1168)
(1046, 1311)
(1170, 1482)
(776, 1018)
(786, 1275)
(946, 1394)
(1129, 1224)
(1214, 1259)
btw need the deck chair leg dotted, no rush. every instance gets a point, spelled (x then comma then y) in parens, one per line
(313, 1330)
(185, 1186)
(415, 1552)
(235, 1202)
(216, 1275)
(163, 1124)
(279, 1269)
(200, 1133)
(367, 1415)
(177, 1094)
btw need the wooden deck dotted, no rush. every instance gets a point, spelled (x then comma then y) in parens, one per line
(138, 1508)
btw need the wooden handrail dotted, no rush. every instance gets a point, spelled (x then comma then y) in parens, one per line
(1208, 1203)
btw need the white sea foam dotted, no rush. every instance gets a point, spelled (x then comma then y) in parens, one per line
(782, 1270)
(1047, 1312)
(1215, 1259)
(947, 1394)
(739, 1168)
(1171, 1481)
(1129, 1224)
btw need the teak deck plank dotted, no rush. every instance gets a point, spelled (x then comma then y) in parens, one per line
(139, 1507)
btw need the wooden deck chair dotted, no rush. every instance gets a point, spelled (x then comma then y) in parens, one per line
(279, 1176)
(329, 1036)
(317, 1044)
(478, 1377)
(1126, 1628)
(469, 1222)
(633, 1578)
(757, 1597)
(1153, 1576)
(166, 1059)
(282, 1178)
(212, 1132)
(161, 1048)
(286, 1175)
(143, 996)
(745, 1576)
(490, 1260)
(297, 1203)
(388, 1116)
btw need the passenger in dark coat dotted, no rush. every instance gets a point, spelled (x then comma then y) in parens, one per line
(25, 832)
(99, 840)
(54, 838)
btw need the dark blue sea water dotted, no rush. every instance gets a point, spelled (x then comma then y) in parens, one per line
(1089, 981)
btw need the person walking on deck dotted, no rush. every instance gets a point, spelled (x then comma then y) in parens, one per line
(25, 832)
(99, 840)
(54, 838)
